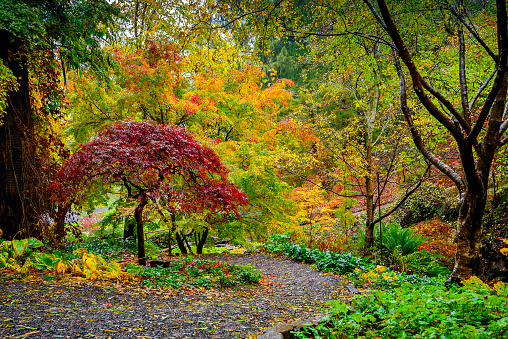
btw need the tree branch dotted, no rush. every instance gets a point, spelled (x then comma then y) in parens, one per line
(462, 79)
(472, 31)
(415, 75)
(460, 118)
(502, 37)
(482, 88)
(447, 170)
(320, 186)
(406, 196)
(242, 16)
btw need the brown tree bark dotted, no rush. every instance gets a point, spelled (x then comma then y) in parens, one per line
(202, 241)
(138, 215)
(17, 124)
(369, 205)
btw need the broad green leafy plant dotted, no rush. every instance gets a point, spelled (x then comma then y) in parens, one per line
(17, 255)
(23, 256)
(419, 312)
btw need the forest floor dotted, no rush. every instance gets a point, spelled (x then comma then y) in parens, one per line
(288, 291)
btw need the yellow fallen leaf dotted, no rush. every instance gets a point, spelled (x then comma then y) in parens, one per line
(60, 268)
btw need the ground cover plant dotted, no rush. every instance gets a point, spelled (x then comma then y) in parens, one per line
(190, 272)
(400, 305)
(106, 248)
(357, 269)
(28, 257)
(421, 311)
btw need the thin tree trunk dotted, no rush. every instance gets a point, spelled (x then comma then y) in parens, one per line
(369, 191)
(181, 244)
(138, 215)
(202, 241)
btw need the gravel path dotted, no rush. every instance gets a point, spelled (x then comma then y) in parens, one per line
(289, 291)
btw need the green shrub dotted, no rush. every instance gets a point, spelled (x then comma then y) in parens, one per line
(420, 263)
(276, 243)
(402, 239)
(357, 268)
(151, 249)
(249, 274)
(427, 202)
(341, 263)
(423, 311)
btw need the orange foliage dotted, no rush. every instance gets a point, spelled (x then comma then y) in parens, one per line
(442, 241)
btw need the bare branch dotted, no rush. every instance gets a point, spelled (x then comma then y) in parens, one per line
(472, 31)
(375, 13)
(502, 37)
(406, 195)
(503, 128)
(320, 186)
(462, 78)
(503, 141)
(447, 170)
(482, 88)
(242, 16)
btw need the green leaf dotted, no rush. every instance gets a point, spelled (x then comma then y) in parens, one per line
(19, 246)
(34, 243)
(46, 260)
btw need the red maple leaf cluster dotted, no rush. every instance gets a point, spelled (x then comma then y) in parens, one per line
(160, 163)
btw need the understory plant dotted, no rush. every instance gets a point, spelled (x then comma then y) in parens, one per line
(187, 272)
(403, 240)
(419, 311)
(340, 263)
(424, 310)
(84, 263)
(440, 241)
(106, 248)
(358, 269)
(26, 255)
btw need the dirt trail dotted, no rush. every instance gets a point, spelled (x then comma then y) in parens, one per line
(289, 291)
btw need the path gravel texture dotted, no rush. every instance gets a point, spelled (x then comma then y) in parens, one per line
(289, 291)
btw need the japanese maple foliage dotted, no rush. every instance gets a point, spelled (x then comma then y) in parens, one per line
(161, 166)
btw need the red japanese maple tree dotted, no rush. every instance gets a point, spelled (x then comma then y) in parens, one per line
(161, 166)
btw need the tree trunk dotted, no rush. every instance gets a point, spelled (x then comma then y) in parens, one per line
(60, 220)
(202, 241)
(171, 229)
(17, 124)
(369, 224)
(138, 215)
(468, 260)
(369, 204)
(181, 244)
